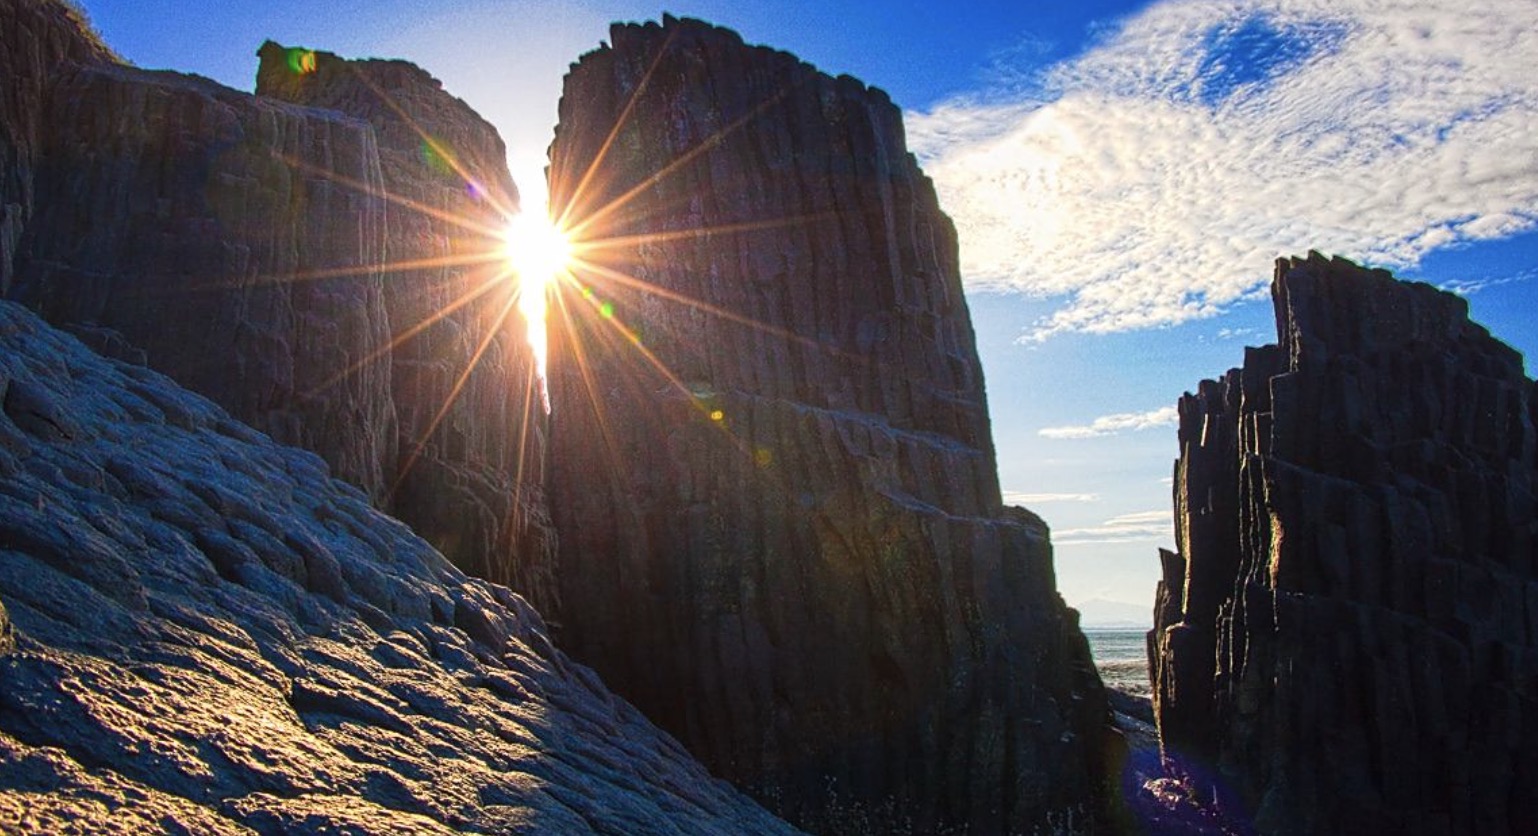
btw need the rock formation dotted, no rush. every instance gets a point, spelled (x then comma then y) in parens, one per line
(202, 632)
(1347, 640)
(781, 532)
(471, 473)
(325, 274)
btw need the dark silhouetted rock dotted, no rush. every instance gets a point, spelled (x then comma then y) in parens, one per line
(1346, 641)
(202, 632)
(773, 478)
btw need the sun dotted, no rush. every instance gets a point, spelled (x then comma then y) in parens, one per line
(537, 254)
(535, 250)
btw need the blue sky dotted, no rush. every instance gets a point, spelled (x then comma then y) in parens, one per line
(1122, 175)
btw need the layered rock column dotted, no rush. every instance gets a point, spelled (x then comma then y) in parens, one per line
(216, 236)
(772, 470)
(1347, 641)
(470, 472)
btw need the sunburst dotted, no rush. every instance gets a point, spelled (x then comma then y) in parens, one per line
(568, 261)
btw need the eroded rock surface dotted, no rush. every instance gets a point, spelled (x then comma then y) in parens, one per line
(773, 477)
(1347, 638)
(202, 631)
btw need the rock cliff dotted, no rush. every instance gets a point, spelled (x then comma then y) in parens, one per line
(202, 632)
(172, 221)
(326, 273)
(1346, 641)
(773, 477)
(471, 435)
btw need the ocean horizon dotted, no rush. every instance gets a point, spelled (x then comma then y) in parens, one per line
(1121, 657)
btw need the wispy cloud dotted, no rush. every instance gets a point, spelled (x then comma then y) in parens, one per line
(1115, 424)
(1020, 498)
(1152, 180)
(1470, 286)
(1127, 528)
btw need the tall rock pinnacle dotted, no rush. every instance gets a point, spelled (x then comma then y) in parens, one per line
(1349, 635)
(773, 478)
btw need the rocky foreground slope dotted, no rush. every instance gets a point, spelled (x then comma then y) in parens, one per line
(1348, 638)
(201, 631)
(773, 475)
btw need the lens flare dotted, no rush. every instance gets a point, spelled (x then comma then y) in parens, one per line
(538, 254)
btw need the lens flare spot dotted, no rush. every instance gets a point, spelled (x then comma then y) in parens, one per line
(717, 415)
(434, 157)
(762, 457)
(606, 310)
(301, 61)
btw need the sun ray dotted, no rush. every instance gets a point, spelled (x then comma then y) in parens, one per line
(573, 201)
(579, 229)
(601, 244)
(503, 210)
(453, 395)
(625, 279)
(490, 232)
(403, 337)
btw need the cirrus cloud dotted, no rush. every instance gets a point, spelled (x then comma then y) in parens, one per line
(1152, 180)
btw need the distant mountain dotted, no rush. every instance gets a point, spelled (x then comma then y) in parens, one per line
(1102, 612)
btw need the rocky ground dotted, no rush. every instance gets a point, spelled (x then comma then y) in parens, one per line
(202, 632)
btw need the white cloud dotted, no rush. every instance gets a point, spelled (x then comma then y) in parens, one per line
(1021, 498)
(1470, 286)
(1115, 424)
(1153, 179)
(1127, 528)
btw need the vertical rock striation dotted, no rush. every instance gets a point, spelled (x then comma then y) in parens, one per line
(773, 478)
(38, 38)
(471, 473)
(1347, 639)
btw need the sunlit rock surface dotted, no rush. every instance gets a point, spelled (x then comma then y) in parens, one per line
(471, 469)
(202, 632)
(1347, 641)
(773, 478)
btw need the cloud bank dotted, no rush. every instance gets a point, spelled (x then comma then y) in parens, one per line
(1115, 424)
(1152, 180)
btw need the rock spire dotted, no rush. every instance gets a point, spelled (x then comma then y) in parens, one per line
(773, 476)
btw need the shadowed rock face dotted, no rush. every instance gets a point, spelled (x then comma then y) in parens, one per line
(772, 470)
(471, 469)
(201, 631)
(38, 38)
(177, 213)
(1348, 637)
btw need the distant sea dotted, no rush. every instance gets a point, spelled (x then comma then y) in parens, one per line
(1122, 658)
